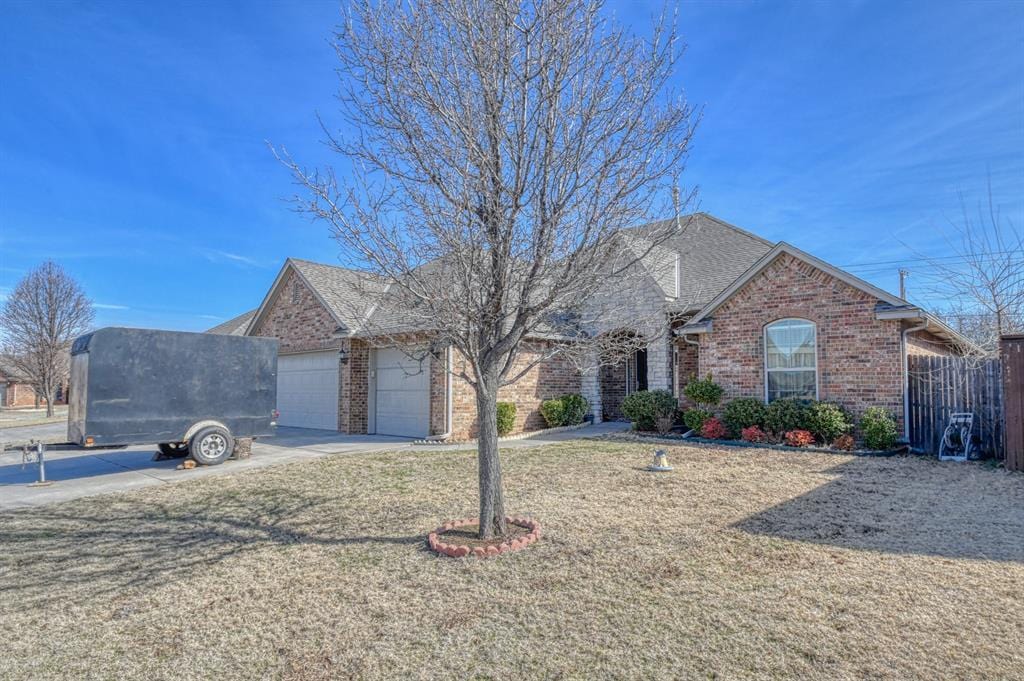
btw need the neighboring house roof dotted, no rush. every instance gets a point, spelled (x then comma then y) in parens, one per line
(890, 306)
(712, 254)
(235, 326)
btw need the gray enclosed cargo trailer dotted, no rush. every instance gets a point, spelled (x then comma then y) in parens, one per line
(189, 392)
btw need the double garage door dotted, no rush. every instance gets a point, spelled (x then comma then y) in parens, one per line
(307, 392)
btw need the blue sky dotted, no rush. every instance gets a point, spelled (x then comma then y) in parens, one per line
(133, 136)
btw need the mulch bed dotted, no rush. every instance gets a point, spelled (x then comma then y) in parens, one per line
(467, 536)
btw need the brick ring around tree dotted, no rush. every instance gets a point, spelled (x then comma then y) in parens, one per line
(437, 540)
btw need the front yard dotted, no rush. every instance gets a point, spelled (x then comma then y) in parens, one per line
(740, 563)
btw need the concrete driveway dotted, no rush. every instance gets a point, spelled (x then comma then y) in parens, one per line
(96, 471)
(77, 474)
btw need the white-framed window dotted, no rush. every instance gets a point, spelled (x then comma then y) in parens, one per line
(790, 359)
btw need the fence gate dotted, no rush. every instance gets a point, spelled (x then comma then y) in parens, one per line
(940, 386)
(1012, 351)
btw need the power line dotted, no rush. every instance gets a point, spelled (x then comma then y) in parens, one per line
(926, 259)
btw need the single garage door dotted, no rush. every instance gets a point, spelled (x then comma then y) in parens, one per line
(402, 405)
(307, 390)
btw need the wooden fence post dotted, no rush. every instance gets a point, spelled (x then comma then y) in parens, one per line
(1011, 350)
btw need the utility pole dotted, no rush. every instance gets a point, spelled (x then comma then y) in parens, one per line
(903, 283)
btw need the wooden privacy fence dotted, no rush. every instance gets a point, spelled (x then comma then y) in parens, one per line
(1012, 352)
(940, 386)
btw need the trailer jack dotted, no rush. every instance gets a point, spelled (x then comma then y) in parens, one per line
(38, 450)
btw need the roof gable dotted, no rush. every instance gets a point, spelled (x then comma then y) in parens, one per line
(784, 248)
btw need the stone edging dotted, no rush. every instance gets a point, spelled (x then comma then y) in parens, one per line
(461, 550)
(636, 437)
(505, 438)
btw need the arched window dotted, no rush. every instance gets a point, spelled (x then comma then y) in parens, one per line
(790, 359)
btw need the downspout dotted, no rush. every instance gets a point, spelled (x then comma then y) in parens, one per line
(447, 399)
(906, 379)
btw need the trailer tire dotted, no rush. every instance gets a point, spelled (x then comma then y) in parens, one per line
(211, 445)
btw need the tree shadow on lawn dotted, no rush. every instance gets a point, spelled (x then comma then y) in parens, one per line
(906, 505)
(88, 550)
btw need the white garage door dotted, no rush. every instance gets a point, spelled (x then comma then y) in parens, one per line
(403, 394)
(307, 390)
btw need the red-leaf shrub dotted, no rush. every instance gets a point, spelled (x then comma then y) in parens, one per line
(754, 434)
(843, 442)
(713, 429)
(799, 438)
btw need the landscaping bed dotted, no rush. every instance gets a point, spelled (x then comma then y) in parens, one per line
(683, 438)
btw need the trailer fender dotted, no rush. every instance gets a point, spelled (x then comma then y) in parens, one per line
(200, 425)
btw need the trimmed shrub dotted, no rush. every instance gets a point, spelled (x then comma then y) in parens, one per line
(827, 421)
(844, 443)
(506, 417)
(695, 418)
(645, 407)
(799, 438)
(785, 415)
(879, 428)
(553, 411)
(703, 391)
(574, 408)
(713, 429)
(753, 434)
(744, 412)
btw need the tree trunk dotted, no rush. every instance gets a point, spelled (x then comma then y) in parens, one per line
(49, 401)
(492, 496)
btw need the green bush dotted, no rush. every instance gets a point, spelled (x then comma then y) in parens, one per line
(574, 409)
(645, 407)
(827, 421)
(506, 417)
(695, 418)
(879, 428)
(703, 391)
(553, 411)
(744, 412)
(785, 415)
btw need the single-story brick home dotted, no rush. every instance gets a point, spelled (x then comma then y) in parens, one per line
(765, 319)
(17, 392)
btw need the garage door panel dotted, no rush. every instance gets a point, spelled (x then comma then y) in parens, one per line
(402, 405)
(307, 390)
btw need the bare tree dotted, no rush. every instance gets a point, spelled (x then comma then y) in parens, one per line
(495, 152)
(981, 279)
(44, 313)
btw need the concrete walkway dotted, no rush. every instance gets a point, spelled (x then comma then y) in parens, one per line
(77, 474)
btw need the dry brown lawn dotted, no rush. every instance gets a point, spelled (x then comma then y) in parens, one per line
(740, 564)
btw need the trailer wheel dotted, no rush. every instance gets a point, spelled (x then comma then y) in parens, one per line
(211, 446)
(173, 450)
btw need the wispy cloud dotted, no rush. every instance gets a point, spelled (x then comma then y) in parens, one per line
(215, 255)
(109, 306)
(210, 316)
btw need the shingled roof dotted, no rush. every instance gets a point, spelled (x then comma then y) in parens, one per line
(712, 254)
(235, 326)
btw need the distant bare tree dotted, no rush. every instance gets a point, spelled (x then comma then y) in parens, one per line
(982, 283)
(44, 313)
(495, 151)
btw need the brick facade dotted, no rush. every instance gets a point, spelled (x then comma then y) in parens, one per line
(859, 357)
(297, 319)
(550, 378)
(927, 343)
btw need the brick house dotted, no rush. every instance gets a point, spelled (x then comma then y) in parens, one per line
(766, 320)
(17, 392)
